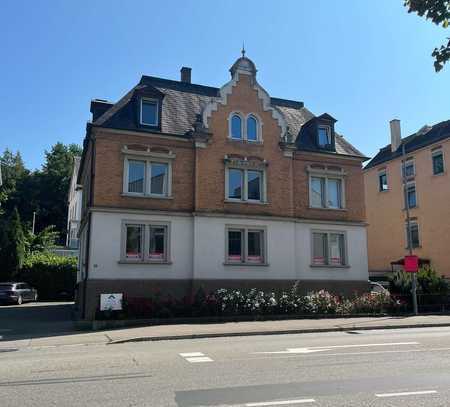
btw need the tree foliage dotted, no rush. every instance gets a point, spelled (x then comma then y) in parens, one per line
(12, 246)
(438, 11)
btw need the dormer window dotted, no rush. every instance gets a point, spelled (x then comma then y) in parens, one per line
(149, 112)
(324, 136)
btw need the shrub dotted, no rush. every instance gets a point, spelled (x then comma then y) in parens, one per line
(53, 276)
(428, 282)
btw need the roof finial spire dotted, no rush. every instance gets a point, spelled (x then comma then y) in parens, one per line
(243, 50)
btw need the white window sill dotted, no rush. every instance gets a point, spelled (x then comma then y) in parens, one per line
(439, 174)
(330, 266)
(131, 195)
(239, 201)
(147, 262)
(243, 264)
(328, 209)
(245, 141)
(383, 190)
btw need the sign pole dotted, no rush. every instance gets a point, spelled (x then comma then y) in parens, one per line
(408, 226)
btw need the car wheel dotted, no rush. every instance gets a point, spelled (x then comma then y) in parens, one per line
(19, 300)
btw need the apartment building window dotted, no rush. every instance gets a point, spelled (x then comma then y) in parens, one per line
(382, 181)
(147, 177)
(328, 248)
(247, 129)
(324, 136)
(245, 185)
(410, 197)
(415, 240)
(408, 168)
(149, 112)
(252, 128)
(245, 245)
(146, 242)
(236, 127)
(326, 192)
(438, 162)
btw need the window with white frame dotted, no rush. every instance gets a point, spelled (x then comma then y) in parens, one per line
(415, 240)
(149, 112)
(252, 128)
(326, 192)
(236, 127)
(147, 176)
(144, 242)
(437, 157)
(410, 195)
(246, 130)
(245, 245)
(382, 181)
(328, 248)
(245, 184)
(409, 168)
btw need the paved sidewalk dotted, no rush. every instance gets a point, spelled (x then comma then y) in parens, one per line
(189, 331)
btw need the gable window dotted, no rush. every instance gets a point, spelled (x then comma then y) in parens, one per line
(326, 192)
(438, 162)
(415, 241)
(382, 181)
(328, 249)
(245, 245)
(408, 168)
(245, 185)
(324, 136)
(252, 129)
(410, 195)
(145, 242)
(236, 127)
(149, 112)
(149, 177)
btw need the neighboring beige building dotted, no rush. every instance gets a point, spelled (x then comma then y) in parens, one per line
(427, 155)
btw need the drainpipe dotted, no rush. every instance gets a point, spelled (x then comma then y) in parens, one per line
(88, 226)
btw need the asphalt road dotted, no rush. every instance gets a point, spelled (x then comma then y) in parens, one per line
(408, 367)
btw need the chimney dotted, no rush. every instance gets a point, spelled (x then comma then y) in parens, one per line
(185, 74)
(396, 137)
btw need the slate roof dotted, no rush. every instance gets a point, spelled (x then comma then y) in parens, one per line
(183, 101)
(420, 139)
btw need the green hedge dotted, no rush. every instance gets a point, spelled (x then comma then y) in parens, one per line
(53, 276)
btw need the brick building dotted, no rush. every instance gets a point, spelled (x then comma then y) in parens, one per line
(187, 185)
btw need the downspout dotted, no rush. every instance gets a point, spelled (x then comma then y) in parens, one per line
(88, 226)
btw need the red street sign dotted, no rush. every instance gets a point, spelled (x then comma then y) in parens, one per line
(411, 264)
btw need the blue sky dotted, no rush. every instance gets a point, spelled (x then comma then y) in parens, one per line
(364, 62)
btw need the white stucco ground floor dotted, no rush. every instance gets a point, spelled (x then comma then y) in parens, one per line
(140, 253)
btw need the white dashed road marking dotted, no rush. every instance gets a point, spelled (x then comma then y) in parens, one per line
(406, 393)
(195, 357)
(280, 403)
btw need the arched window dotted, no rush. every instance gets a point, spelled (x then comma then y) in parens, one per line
(252, 129)
(236, 127)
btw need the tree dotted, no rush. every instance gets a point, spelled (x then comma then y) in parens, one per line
(54, 186)
(13, 170)
(438, 11)
(12, 246)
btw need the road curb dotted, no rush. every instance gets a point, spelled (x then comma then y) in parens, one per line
(273, 332)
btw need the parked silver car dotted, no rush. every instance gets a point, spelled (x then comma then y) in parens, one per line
(17, 293)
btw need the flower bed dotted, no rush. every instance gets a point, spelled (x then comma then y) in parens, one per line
(231, 302)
